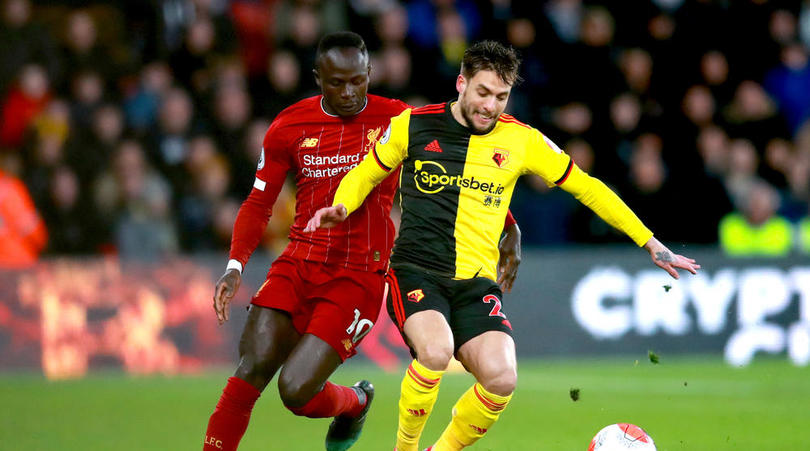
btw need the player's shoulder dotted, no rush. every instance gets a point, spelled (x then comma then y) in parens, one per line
(432, 109)
(509, 121)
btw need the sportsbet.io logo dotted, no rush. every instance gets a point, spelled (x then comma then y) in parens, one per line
(431, 177)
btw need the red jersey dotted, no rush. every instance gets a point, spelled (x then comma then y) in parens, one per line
(320, 148)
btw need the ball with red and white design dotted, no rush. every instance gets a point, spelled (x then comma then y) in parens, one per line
(622, 437)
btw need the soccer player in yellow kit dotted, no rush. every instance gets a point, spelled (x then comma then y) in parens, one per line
(459, 164)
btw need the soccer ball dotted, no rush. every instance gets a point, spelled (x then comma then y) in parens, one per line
(622, 437)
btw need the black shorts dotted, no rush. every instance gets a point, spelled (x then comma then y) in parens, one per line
(471, 306)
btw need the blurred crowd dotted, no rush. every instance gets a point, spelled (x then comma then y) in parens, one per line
(136, 125)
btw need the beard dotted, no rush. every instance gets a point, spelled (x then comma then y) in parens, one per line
(468, 117)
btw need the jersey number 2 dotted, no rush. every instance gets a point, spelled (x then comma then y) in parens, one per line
(496, 309)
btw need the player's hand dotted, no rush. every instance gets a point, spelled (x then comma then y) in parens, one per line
(226, 288)
(509, 248)
(669, 261)
(326, 217)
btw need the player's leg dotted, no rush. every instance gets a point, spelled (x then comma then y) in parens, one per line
(345, 308)
(267, 339)
(487, 350)
(266, 342)
(490, 357)
(304, 378)
(416, 304)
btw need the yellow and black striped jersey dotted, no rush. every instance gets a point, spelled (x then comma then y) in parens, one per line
(455, 187)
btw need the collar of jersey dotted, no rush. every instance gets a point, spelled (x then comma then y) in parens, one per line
(365, 104)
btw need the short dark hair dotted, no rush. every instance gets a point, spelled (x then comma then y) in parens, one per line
(340, 40)
(494, 56)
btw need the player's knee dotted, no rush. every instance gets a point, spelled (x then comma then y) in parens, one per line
(501, 382)
(256, 369)
(294, 390)
(435, 356)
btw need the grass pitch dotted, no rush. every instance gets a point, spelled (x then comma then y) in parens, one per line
(685, 404)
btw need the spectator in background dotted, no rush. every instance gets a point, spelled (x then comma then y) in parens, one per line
(192, 62)
(788, 84)
(798, 175)
(141, 107)
(424, 17)
(565, 17)
(137, 200)
(625, 126)
(87, 94)
(698, 109)
(280, 87)
(743, 165)
(22, 103)
(82, 50)
(231, 117)
(210, 182)
(712, 145)
(24, 42)
(752, 115)
(90, 151)
(395, 68)
(310, 20)
(755, 229)
(783, 31)
(650, 186)
(590, 74)
(714, 73)
(776, 161)
(391, 27)
(299, 24)
(248, 153)
(636, 66)
(72, 223)
(538, 46)
(168, 142)
(22, 232)
(44, 149)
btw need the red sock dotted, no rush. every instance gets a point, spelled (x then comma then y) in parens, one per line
(332, 401)
(230, 419)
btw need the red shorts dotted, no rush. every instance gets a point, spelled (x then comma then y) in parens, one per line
(335, 304)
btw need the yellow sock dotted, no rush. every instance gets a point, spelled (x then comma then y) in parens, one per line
(418, 393)
(474, 413)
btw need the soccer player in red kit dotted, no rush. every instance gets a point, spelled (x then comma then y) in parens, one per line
(323, 294)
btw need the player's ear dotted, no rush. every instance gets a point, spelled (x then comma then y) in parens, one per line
(461, 83)
(317, 77)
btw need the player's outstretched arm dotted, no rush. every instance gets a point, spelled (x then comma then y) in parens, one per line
(225, 290)
(327, 217)
(510, 250)
(669, 261)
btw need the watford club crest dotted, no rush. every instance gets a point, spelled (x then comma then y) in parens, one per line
(500, 157)
(416, 295)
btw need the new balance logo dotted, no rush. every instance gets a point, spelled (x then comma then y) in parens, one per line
(417, 413)
(433, 146)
